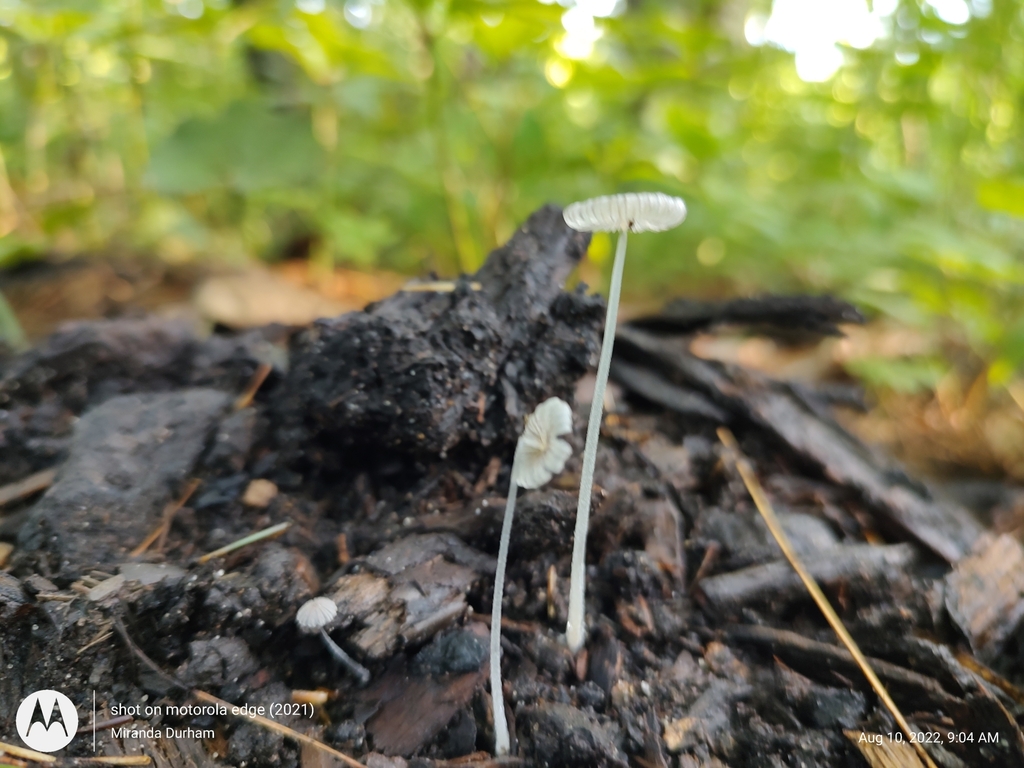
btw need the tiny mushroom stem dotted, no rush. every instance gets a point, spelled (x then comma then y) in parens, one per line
(314, 616)
(501, 737)
(631, 212)
(540, 455)
(353, 666)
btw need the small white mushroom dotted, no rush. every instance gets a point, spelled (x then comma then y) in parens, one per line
(542, 453)
(630, 212)
(539, 456)
(314, 616)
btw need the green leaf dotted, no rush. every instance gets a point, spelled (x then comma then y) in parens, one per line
(1004, 195)
(10, 329)
(247, 148)
(355, 237)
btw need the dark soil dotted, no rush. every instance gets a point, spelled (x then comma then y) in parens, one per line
(384, 438)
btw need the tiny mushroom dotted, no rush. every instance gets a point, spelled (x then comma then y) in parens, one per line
(630, 212)
(314, 616)
(540, 455)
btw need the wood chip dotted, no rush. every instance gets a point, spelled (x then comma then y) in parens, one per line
(411, 706)
(708, 720)
(420, 592)
(985, 593)
(259, 493)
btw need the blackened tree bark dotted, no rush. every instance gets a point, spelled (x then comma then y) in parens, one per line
(419, 373)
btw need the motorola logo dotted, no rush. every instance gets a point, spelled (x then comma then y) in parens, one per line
(47, 721)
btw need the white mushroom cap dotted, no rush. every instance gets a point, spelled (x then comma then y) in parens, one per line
(542, 454)
(316, 614)
(631, 211)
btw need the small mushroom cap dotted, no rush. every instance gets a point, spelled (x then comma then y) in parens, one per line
(632, 211)
(316, 614)
(542, 454)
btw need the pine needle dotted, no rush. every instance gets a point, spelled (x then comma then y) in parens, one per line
(245, 541)
(772, 521)
(161, 531)
(245, 399)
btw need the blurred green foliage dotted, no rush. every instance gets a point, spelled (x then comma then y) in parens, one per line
(416, 134)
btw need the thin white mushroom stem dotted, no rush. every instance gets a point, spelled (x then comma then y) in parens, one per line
(540, 455)
(628, 212)
(502, 742)
(574, 628)
(353, 666)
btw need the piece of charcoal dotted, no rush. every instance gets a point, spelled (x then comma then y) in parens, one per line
(858, 567)
(90, 361)
(557, 735)
(780, 316)
(420, 372)
(818, 705)
(127, 458)
(663, 392)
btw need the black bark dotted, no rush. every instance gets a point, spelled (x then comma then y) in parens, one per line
(421, 372)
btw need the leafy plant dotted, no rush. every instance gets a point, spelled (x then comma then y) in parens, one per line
(415, 134)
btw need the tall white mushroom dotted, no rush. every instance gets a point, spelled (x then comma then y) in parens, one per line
(540, 455)
(630, 212)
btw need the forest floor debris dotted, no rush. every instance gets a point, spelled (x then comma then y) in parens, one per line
(384, 436)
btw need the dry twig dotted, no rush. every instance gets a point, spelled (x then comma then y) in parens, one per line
(40, 481)
(436, 286)
(26, 754)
